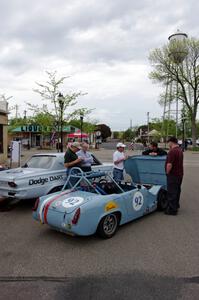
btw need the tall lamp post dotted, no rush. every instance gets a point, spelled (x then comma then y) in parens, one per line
(81, 124)
(61, 109)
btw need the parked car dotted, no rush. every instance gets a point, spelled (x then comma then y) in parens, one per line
(189, 141)
(42, 174)
(2, 168)
(93, 202)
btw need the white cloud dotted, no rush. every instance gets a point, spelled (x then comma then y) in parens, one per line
(103, 44)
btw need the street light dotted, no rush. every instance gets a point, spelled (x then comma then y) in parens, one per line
(81, 123)
(61, 107)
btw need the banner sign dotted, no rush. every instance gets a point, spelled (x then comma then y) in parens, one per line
(16, 152)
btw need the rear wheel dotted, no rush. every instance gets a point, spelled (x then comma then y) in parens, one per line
(162, 200)
(108, 226)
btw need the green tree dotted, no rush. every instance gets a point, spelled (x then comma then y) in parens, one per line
(128, 135)
(166, 127)
(105, 131)
(168, 69)
(116, 134)
(49, 92)
(46, 121)
(88, 127)
(15, 122)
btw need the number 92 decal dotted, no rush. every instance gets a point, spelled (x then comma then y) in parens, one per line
(138, 201)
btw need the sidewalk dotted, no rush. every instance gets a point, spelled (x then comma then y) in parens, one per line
(104, 155)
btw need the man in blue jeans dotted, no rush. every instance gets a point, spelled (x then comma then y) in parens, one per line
(118, 160)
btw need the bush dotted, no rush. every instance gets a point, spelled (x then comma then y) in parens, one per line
(195, 149)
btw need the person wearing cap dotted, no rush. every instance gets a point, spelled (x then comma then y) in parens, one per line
(154, 150)
(85, 164)
(118, 160)
(70, 158)
(174, 172)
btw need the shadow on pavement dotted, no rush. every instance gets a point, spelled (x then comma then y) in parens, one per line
(135, 285)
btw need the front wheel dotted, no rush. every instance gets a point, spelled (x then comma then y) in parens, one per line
(108, 226)
(162, 200)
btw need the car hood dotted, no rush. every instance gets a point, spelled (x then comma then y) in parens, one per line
(108, 163)
(65, 201)
(12, 174)
(145, 169)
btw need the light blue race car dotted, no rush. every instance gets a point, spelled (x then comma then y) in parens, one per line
(93, 202)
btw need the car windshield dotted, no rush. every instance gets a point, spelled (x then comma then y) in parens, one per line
(96, 161)
(41, 162)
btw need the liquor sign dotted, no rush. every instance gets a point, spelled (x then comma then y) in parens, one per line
(31, 128)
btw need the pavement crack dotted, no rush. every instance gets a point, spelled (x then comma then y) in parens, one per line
(194, 279)
(32, 278)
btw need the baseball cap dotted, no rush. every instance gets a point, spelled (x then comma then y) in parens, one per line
(76, 145)
(121, 145)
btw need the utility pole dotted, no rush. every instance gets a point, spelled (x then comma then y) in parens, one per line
(25, 112)
(16, 111)
(148, 124)
(131, 124)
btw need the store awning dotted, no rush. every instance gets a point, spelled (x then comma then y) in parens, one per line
(77, 135)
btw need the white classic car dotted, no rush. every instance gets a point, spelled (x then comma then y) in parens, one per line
(42, 174)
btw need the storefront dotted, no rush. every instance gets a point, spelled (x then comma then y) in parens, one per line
(38, 136)
(3, 131)
(29, 135)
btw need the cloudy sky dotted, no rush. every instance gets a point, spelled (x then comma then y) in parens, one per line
(102, 44)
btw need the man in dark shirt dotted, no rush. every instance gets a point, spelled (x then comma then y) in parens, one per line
(154, 150)
(174, 172)
(70, 158)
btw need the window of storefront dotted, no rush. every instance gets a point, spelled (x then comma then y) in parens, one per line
(1, 138)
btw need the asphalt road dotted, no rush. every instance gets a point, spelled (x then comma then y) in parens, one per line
(156, 257)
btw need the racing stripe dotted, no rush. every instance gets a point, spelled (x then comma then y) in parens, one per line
(42, 207)
(48, 203)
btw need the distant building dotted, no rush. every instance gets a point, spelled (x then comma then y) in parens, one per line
(3, 130)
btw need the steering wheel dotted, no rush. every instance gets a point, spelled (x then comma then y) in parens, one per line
(103, 181)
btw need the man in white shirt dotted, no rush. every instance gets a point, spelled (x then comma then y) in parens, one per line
(118, 161)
